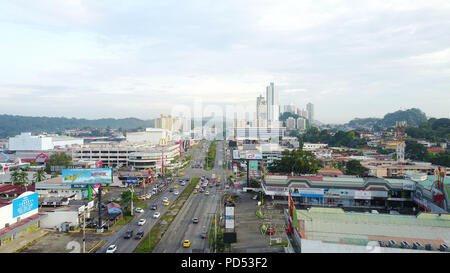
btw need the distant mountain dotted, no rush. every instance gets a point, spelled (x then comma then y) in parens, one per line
(13, 125)
(413, 117)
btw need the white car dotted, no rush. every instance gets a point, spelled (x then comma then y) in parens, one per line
(141, 222)
(139, 210)
(207, 192)
(111, 249)
(156, 215)
(165, 199)
(176, 192)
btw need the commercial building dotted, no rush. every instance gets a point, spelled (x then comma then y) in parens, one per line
(301, 123)
(343, 191)
(19, 216)
(291, 123)
(313, 146)
(27, 142)
(261, 112)
(331, 230)
(139, 155)
(151, 136)
(261, 133)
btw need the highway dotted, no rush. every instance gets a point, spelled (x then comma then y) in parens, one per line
(198, 205)
(129, 245)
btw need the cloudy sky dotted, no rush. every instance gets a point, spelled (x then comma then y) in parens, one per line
(108, 58)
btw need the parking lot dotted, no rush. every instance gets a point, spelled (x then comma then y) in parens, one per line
(61, 242)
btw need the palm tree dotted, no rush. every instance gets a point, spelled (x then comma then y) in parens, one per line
(15, 176)
(39, 175)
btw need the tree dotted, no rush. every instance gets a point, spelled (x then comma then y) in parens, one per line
(39, 175)
(415, 151)
(58, 159)
(354, 167)
(126, 196)
(296, 161)
(19, 177)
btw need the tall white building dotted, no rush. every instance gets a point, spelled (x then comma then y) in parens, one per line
(273, 108)
(310, 109)
(151, 135)
(261, 111)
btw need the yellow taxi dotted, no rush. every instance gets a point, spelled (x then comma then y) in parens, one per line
(142, 198)
(166, 203)
(186, 243)
(181, 174)
(176, 187)
(195, 191)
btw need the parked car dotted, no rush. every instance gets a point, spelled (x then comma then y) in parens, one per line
(392, 243)
(139, 235)
(404, 244)
(444, 247)
(141, 222)
(111, 249)
(128, 234)
(417, 245)
(156, 214)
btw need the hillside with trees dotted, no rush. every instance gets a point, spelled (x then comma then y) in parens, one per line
(13, 125)
(414, 117)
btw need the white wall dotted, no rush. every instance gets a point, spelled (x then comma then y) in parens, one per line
(25, 141)
(56, 218)
(6, 213)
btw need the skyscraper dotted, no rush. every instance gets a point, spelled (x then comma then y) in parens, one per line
(310, 109)
(273, 109)
(261, 111)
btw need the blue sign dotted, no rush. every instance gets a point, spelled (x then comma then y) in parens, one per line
(132, 180)
(25, 204)
(79, 186)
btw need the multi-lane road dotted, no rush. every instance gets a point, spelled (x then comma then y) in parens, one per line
(198, 205)
(129, 245)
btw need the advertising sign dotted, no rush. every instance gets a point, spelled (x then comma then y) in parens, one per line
(253, 156)
(229, 223)
(79, 186)
(367, 195)
(87, 176)
(236, 154)
(307, 192)
(25, 204)
(132, 180)
(253, 165)
(229, 211)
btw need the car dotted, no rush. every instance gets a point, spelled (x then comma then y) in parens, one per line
(139, 210)
(392, 243)
(171, 189)
(201, 190)
(206, 192)
(139, 235)
(195, 220)
(404, 244)
(176, 192)
(186, 243)
(166, 203)
(128, 234)
(111, 249)
(176, 187)
(156, 214)
(195, 191)
(204, 234)
(444, 247)
(165, 199)
(381, 243)
(142, 198)
(417, 245)
(154, 207)
(148, 195)
(141, 222)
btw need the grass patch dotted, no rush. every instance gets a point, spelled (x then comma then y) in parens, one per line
(157, 231)
(124, 220)
(285, 244)
(210, 156)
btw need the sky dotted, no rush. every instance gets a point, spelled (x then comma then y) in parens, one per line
(116, 59)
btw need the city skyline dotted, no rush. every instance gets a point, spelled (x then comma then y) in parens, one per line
(94, 60)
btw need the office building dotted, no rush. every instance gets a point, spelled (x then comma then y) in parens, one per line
(273, 108)
(290, 123)
(310, 109)
(261, 111)
(301, 124)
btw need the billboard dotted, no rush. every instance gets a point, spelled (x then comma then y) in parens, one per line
(253, 155)
(87, 176)
(363, 194)
(253, 165)
(236, 154)
(308, 192)
(25, 204)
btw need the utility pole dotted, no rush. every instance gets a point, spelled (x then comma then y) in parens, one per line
(84, 230)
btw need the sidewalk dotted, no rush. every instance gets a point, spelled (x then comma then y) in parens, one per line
(23, 241)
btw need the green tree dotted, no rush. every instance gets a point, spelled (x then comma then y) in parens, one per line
(354, 167)
(19, 177)
(39, 175)
(126, 196)
(415, 151)
(58, 159)
(296, 161)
